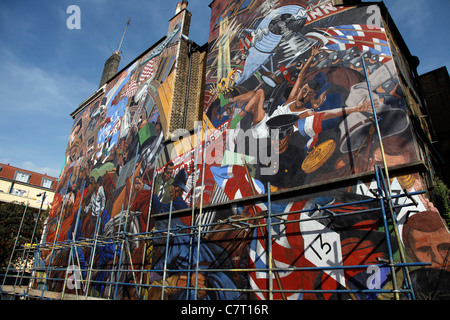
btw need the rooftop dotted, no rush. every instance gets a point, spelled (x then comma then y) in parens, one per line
(9, 172)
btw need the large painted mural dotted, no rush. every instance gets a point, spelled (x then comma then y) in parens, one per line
(296, 68)
(286, 105)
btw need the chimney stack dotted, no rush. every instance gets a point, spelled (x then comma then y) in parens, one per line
(181, 5)
(111, 68)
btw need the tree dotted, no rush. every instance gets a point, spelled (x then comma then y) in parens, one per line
(441, 199)
(11, 215)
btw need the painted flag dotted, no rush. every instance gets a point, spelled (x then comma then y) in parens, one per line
(303, 242)
(148, 71)
(286, 252)
(364, 37)
(234, 182)
(309, 128)
(154, 116)
(132, 88)
(205, 185)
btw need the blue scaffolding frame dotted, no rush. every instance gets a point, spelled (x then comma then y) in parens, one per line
(268, 220)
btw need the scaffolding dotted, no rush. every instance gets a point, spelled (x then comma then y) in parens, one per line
(65, 275)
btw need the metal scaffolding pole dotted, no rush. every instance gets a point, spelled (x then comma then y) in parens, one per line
(393, 216)
(387, 186)
(32, 239)
(193, 205)
(375, 117)
(58, 229)
(199, 229)
(133, 271)
(149, 213)
(73, 245)
(386, 228)
(15, 244)
(92, 254)
(167, 251)
(120, 255)
(269, 242)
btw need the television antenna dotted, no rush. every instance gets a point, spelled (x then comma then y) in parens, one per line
(123, 36)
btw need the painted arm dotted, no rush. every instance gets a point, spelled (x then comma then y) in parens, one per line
(338, 112)
(301, 76)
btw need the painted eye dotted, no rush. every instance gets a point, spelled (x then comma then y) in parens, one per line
(423, 249)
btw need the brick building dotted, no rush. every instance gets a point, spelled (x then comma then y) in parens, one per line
(436, 91)
(290, 157)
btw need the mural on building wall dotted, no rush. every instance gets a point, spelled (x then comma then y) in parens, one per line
(286, 105)
(113, 140)
(297, 67)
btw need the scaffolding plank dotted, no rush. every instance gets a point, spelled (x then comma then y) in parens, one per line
(45, 294)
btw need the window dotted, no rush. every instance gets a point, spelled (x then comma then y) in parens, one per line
(18, 192)
(22, 177)
(47, 183)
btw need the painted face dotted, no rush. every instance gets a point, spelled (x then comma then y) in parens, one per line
(304, 96)
(175, 192)
(167, 173)
(138, 184)
(432, 247)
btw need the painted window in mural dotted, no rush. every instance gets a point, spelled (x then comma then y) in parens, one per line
(286, 105)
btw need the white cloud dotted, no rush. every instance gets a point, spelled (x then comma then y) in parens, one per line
(35, 106)
(33, 89)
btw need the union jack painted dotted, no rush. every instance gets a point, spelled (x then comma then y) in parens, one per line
(234, 182)
(292, 248)
(310, 127)
(285, 254)
(364, 37)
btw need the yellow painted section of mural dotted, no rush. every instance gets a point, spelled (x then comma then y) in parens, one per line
(166, 101)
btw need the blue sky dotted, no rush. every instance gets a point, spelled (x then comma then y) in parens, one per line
(47, 70)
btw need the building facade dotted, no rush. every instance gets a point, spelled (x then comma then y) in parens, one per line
(286, 159)
(436, 91)
(26, 187)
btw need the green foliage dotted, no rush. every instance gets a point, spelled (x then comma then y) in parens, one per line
(442, 199)
(11, 215)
